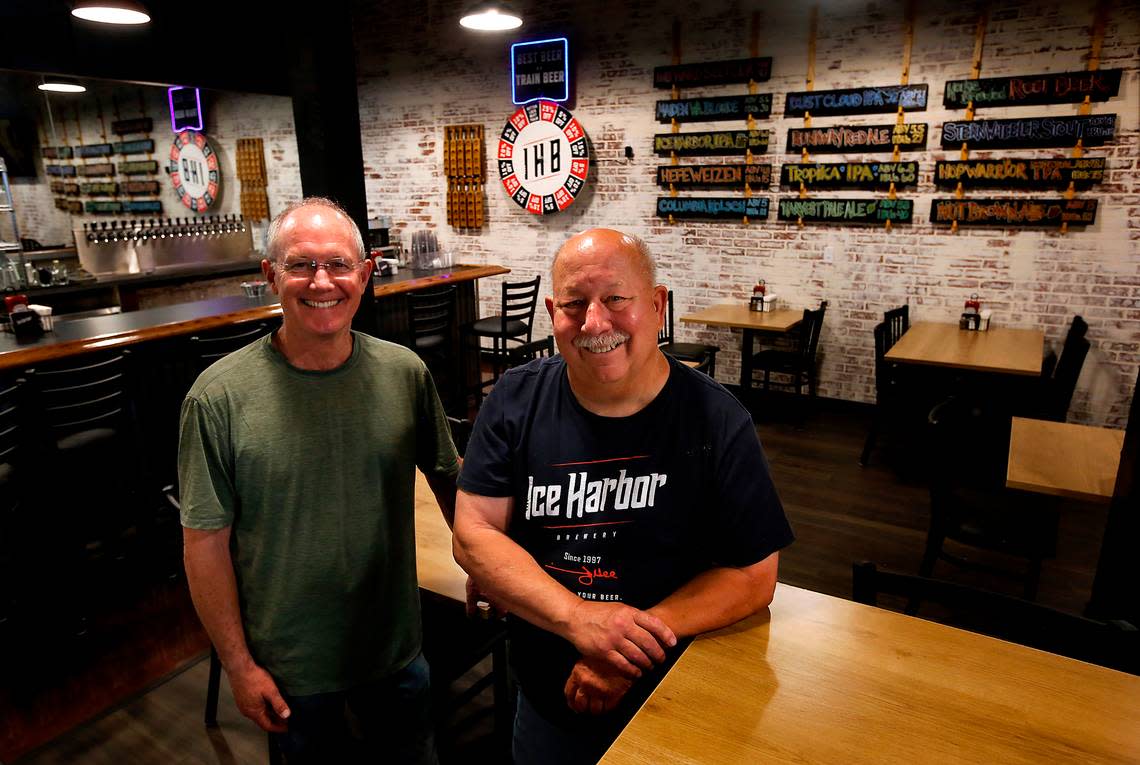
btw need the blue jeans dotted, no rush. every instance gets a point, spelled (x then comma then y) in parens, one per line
(385, 721)
(537, 741)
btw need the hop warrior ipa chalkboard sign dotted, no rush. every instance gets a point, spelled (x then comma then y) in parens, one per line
(1014, 212)
(849, 175)
(872, 100)
(543, 157)
(1032, 89)
(194, 170)
(712, 207)
(713, 176)
(863, 138)
(846, 210)
(1029, 132)
(717, 142)
(1015, 173)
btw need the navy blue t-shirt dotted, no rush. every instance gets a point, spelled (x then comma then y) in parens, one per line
(622, 509)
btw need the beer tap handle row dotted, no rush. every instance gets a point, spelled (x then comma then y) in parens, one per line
(102, 232)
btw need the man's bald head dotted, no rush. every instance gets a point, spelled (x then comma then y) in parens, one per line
(597, 239)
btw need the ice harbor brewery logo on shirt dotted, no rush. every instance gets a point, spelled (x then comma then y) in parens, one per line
(543, 157)
(194, 170)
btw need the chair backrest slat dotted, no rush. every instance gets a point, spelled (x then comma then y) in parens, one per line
(431, 312)
(666, 334)
(519, 302)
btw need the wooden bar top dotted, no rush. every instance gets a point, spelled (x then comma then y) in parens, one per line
(124, 329)
(435, 564)
(817, 679)
(1063, 459)
(742, 317)
(1009, 351)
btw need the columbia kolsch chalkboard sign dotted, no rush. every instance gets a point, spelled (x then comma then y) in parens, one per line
(757, 105)
(845, 210)
(712, 207)
(868, 138)
(717, 142)
(1038, 213)
(870, 100)
(1033, 89)
(732, 72)
(1030, 132)
(1020, 173)
(849, 175)
(713, 176)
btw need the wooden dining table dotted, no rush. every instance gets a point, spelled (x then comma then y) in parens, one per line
(1001, 349)
(1063, 459)
(818, 679)
(436, 568)
(751, 323)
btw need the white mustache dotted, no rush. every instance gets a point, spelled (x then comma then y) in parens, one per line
(600, 342)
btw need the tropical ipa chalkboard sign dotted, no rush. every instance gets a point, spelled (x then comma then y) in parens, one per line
(1015, 173)
(713, 176)
(758, 105)
(712, 207)
(733, 72)
(845, 210)
(867, 138)
(717, 142)
(1033, 89)
(849, 175)
(872, 100)
(1030, 132)
(1014, 212)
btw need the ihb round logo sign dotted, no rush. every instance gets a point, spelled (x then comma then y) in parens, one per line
(194, 170)
(543, 157)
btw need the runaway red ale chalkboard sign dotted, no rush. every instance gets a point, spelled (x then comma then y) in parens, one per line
(866, 138)
(849, 175)
(1020, 173)
(1012, 213)
(712, 208)
(713, 143)
(713, 176)
(1029, 132)
(757, 105)
(845, 210)
(1033, 89)
(871, 100)
(102, 168)
(734, 72)
(137, 125)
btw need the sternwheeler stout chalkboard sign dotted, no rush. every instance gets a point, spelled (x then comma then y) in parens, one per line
(871, 100)
(712, 207)
(543, 157)
(735, 72)
(713, 143)
(1033, 89)
(1029, 132)
(194, 170)
(1012, 213)
(845, 210)
(713, 176)
(1020, 173)
(849, 175)
(842, 139)
(720, 108)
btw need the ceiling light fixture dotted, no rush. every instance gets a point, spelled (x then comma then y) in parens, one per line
(55, 84)
(491, 17)
(123, 12)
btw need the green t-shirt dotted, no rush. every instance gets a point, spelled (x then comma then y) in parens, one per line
(314, 472)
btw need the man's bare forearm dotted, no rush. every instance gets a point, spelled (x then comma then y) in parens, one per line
(213, 588)
(718, 597)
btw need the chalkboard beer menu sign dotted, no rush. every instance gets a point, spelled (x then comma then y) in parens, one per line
(842, 139)
(137, 125)
(871, 100)
(1038, 213)
(1033, 89)
(717, 142)
(713, 176)
(733, 72)
(1015, 173)
(108, 189)
(93, 150)
(101, 168)
(758, 105)
(1030, 132)
(845, 210)
(849, 175)
(712, 207)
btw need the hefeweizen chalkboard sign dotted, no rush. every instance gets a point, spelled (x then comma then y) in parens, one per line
(870, 138)
(712, 207)
(137, 125)
(101, 168)
(1020, 173)
(93, 150)
(713, 176)
(1029, 132)
(1014, 212)
(850, 175)
(1032, 89)
(758, 105)
(717, 142)
(872, 100)
(845, 210)
(713, 73)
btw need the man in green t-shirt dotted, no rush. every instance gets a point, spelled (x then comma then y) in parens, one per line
(297, 471)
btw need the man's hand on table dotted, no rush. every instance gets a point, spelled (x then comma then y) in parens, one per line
(595, 687)
(626, 639)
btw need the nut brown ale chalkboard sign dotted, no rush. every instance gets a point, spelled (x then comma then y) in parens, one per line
(1040, 213)
(842, 139)
(1033, 89)
(849, 175)
(1020, 173)
(713, 176)
(717, 142)
(1030, 132)
(846, 210)
(732, 72)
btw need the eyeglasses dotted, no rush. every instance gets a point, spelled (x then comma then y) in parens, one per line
(297, 269)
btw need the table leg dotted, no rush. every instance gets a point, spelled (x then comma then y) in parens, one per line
(747, 336)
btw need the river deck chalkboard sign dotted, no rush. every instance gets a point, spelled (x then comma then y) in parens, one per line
(1011, 212)
(871, 100)
(93, 150)
(1020, 173)
(713, 176)
(732, 72)
(1029, 132)
(137, 125)
(849, 175)
(717, 142)
(862, 138)
(712, 207)
(845, 210)
(718, 109)
(100, 168)
(139, 167)
(1033, 89)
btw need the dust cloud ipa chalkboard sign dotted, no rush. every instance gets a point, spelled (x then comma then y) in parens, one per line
(758, 105)
(849, 175)
(543, 157)
(713, 176)
(869, 138)
(717, 142)
(871, 100)
(1014, 212)
(712, 207)
(1033, 89)
(1029, 132)
(845, 210)
(732, 72)
(1020, 173)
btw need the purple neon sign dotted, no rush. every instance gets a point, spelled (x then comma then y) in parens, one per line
(184, 116)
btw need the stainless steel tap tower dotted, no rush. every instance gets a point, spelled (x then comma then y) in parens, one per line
(146, 245)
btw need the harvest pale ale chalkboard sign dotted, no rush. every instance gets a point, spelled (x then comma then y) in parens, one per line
(1029, 132)
(718, 142)
(713, 176)
(871, 100)
(735, 72)
(846, 210)
(712, 207)
(1014, 212)
(842, 139)
(757, 105)
(1033, 89)
(1015, 173)
(850, 175)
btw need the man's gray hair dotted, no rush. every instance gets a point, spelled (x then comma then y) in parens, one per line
(273, 235)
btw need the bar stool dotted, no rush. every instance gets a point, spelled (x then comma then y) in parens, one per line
(434, 338)
(513, 324)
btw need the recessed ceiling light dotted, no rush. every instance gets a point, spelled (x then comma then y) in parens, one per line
(491, 17)
(124, 12)
(61, 85)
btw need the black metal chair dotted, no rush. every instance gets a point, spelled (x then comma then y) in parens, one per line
(1058, 388)
(13, 479)
(799, 363)
(434, 338)
(512, 324)
(704, 355)
(527, 352)
(887, 384)
(207, 348)
(898, 322)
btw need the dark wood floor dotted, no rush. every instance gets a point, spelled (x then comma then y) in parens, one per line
(841, 513)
